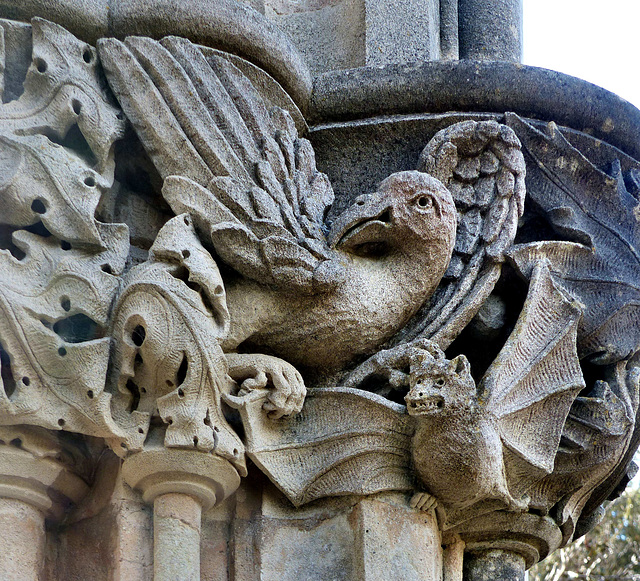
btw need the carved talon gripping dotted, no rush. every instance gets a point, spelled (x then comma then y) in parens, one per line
(390, 367)
(423, 501)
(286, 389)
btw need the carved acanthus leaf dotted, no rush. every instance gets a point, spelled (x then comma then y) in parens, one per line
(600, 266)
(168, 325)
(56, 140)
(59, 276)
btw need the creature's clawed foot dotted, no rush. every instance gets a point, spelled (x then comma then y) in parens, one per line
(258, 372)
(423, 501)
(388, 370)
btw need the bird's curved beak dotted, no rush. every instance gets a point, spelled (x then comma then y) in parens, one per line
(365, 220)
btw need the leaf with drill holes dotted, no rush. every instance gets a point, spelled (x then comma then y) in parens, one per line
(168, 323)
(54, 309)
(600, 265)
(56, 140)
(57, 282)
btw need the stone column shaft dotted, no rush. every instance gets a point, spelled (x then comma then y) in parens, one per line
(176, 532)
(494, 565)
(23, 540)
(490, 29)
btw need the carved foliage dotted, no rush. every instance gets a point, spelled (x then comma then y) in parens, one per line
(600, 262)
(168, 364)
(58, 276)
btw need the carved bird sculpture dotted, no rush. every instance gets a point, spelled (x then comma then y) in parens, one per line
(315, 294)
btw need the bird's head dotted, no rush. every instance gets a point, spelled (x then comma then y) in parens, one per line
(409, 211)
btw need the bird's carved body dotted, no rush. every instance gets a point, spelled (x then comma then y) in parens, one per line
(389, 251)
(330, 329)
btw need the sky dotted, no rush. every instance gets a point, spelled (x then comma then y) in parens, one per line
(598, 41)
(594, 40)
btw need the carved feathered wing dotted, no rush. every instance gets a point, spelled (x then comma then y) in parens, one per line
(531, 385)
(482, 165)
(239, 168)
(345, 441)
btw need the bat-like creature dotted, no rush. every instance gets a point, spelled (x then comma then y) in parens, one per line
(472, 448)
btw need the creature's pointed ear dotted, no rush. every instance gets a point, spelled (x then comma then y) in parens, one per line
(460, 365)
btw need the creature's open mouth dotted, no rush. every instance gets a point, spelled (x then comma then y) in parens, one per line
(355, 230)
(368, 235)
(425, 405)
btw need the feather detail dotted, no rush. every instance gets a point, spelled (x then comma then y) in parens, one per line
(481, 164)
(235, 164)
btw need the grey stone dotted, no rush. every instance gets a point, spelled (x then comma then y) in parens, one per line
(330, 37)
(223, 24)
(482, 87)
(494, 565)
(490, 30)
(176, 271)
(403, 31)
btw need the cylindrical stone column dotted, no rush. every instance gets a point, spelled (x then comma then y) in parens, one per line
(176, 537)
(494, 565)
(23, 540)
(181, 484)
(490, 29)
(34, 485)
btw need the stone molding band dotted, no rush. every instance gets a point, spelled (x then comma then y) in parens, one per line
(475, 86)
(222, 24)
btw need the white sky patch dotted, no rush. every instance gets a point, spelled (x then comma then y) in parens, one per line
(591, 39)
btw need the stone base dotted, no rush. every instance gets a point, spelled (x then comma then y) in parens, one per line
(257, 534)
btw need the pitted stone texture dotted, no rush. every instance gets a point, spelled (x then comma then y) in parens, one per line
(402, 31)
(490, 30)
(225, 24)
(351, 33)
(494, 565)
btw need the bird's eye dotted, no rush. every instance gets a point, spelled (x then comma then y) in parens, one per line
(424, 202)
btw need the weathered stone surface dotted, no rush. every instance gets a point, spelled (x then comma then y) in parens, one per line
(494, 566)
(481, 87)
(458, 293)
(22, 526)
(223, 24)
(490, 30)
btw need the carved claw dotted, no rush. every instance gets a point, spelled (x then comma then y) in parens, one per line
(423, 501)
(390, 365)
(286, 389)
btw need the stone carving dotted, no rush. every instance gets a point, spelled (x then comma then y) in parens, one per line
(191, 353)
(256, 197)
(60, 266)
(167, 324)
(473, 448)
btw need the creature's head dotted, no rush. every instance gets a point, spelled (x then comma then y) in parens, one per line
(411, 210)
(438, 385)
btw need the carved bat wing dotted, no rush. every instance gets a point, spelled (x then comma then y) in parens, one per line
(345, 441)
(239, 168)
(531, 385)
(482, 165)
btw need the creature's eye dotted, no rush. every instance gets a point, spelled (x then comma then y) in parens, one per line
(424, 202)
(439, 382)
